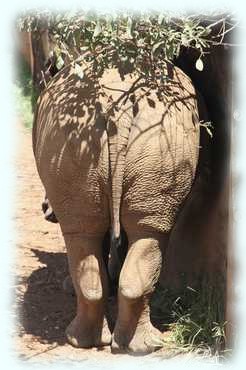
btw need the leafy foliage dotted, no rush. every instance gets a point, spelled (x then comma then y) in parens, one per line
(142, 41)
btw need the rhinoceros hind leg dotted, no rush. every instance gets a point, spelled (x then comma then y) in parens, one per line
(133, 331)
(89, 328)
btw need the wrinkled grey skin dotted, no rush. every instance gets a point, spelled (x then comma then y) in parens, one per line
(109, 152)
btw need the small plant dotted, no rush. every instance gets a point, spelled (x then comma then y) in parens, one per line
(24, 92)
(195, 318)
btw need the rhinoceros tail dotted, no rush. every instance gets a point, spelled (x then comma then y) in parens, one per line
(118, 134)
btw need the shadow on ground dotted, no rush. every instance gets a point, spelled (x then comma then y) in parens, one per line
(47, 309)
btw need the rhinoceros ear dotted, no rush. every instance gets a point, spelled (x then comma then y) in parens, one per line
(49, 214)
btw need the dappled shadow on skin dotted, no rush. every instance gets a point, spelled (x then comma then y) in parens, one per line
(85, 108)
(47, 309)
(82, 121)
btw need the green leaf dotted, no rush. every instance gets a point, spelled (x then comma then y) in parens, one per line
(109, 23)
(157, 46)
(98, 30)
(141, 43)
(160, 18)
(208, 126)
(185, 40)
(78, 71)
(77, 38)
(209, 132)
(199, 64)
(129, 28)
(59, 62)
(177, 50)
(170, 52)
(206, 31)
(124, 58)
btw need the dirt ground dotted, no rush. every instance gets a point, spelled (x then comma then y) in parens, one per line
(43, 309)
